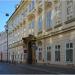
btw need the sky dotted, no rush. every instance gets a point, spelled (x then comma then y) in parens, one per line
(6, 6)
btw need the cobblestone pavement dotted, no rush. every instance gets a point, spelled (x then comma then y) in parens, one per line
(33, 69)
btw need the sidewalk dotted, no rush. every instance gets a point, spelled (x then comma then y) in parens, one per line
(55, 65)
(42, 68)
(57, 68)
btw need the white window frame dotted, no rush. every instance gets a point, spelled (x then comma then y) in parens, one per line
(48, 50)
(48, 17)
(40, 21)
(57, 49)
(40, 51)
(69, 48)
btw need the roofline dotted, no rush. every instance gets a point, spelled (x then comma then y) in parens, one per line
(14, 12)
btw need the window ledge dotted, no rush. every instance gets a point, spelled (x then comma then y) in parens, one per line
(48, 29)
(58, 25)
(69, 21)
(40, 32)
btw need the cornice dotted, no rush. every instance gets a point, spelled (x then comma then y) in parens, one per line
(54, 33)
(16, 44)
(17, 10)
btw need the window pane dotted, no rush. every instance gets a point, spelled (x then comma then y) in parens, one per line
(67, 45)
(39, 49)
(48, 20)
(57, 55)
(40, 24)
(49, 55)
(32, 4)
(40, 55)
(69, 55)
(58, 46)
(32, 26)
(71, 45)
(49, 47)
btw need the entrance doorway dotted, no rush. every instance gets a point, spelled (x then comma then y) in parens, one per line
(30, 41)
(29, 60)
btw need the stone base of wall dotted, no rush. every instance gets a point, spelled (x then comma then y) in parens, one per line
(58, 65)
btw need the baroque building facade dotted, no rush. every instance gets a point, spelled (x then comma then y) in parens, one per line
(48, 24)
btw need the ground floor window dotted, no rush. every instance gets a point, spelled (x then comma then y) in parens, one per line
(25, 56)
(40, 55)
(48, 53)
(69, 52)
(69, 55)
(57, 53)
(21, 57)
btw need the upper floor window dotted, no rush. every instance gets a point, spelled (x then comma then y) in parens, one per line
(24, 14)
(40, 23)
(31, 25)
(48, 20)
(31, 5)
(69, 52)
(69, 2)
(57, 53)
(58, 14)
(69, 10)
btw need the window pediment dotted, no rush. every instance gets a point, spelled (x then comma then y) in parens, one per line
(48, 4)
(31, 16)
(39, 10)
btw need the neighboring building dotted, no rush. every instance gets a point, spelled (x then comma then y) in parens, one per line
(3, 46)
(50, 24)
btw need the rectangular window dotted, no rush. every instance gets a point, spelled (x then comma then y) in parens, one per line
(69, 2)
(58, 14)
(21, 57)
(48, 53)
(69, 10)
(69, 52)
(31, 6)
(32, 24)
(57, 53)
(40, 55)
(40, 24)
(48, 20)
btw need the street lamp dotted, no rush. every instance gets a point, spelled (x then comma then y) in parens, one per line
(6, 29)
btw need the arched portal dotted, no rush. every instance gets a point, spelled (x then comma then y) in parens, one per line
(30, 41)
